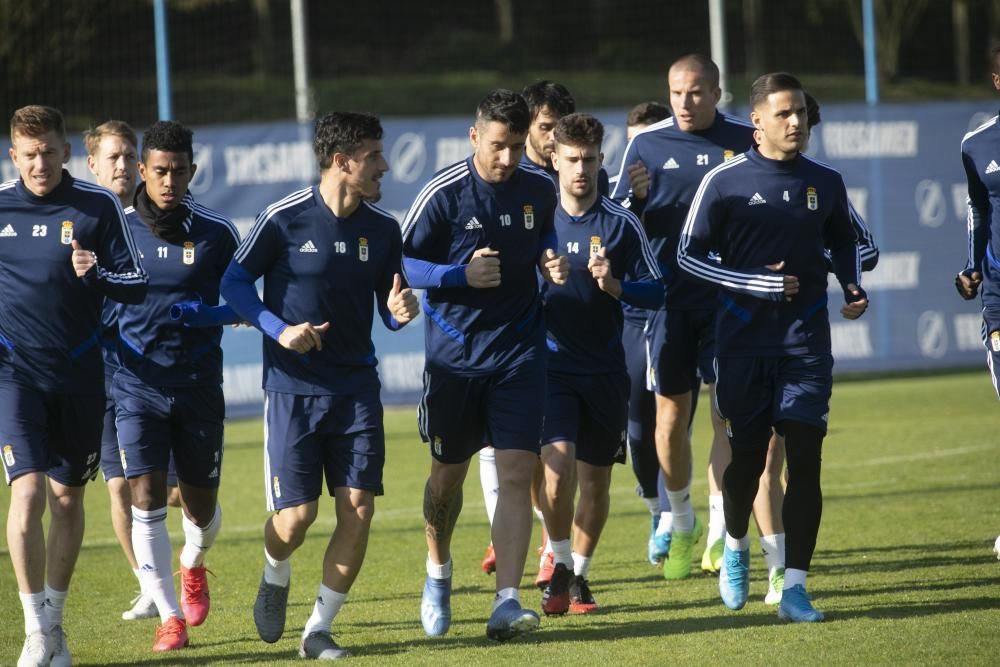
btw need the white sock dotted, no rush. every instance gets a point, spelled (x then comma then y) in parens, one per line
(653, 504)
(436, 571)
(561, 552)
(151, 545)
(489, 480)
(716, 519)
(55, 601)
(35, 619)
(666, 524)
(794, 577)
(773, 547)
(680, 506)
(505, 594)
(737, 543)
(547, 545)
(581, 565)
(198, 540)
(138, 578)
(277, 572)
(328, 603)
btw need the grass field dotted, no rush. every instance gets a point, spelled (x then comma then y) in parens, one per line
(904, 568)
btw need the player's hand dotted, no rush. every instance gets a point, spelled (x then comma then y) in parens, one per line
(600, 268)
(83, 260)
(303, 337)
(857, 303)
(791, 283)
(402, 303)
(638, 177)
(483, 270)
(967, 284)
(555, 268)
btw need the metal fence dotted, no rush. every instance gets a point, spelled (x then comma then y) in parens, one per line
(232, 59)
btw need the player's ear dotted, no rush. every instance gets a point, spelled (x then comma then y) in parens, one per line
(92, 164)
(474, 136)
(755, 119)
(194, 168)
(66, 148)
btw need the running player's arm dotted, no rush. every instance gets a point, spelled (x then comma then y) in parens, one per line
(195, 313)
(397, 305)
(840, 237)
(553, 266)
(643, 284)
(631, 196)
(251, 260)
(424, 245)
(867, 248)
(116, 271)
(977, 219)
(704, 222)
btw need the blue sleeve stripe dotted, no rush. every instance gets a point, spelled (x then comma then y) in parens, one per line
(451, 175)
(264, 216)
(130, 277)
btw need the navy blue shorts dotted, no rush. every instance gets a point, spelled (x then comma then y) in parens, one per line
(641, 406)
(306, 437)
(755, 393)
(681, 349)
(590, 411)
(58, 434)
(155, 422)
(111, 459)
(458, 414)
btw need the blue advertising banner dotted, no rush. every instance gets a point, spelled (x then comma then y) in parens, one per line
(901, 165)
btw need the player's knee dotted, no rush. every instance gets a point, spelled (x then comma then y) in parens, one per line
(357, 508)
(66, 506)
(296, 520)
(27, 497)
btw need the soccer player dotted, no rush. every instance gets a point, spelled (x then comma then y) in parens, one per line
(660, 173)
(642, 402)
(586, 411)
(548, 101)
(64, 247)
(982, 268)
(168, 389)
(113, 157)
(324, 252)
(769, 214)
(475, 238)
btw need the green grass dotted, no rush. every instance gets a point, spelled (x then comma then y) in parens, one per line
(903, 570)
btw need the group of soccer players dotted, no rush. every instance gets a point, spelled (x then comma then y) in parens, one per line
(567, 319)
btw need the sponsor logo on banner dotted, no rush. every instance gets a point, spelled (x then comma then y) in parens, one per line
(188, 252)
(269, 162)
(851, 340)
(863, 139)
(201, 182)
(66, 234)
(408, 157)
(968, 329)
(932, 334)
(932, 208)
(450, 150)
